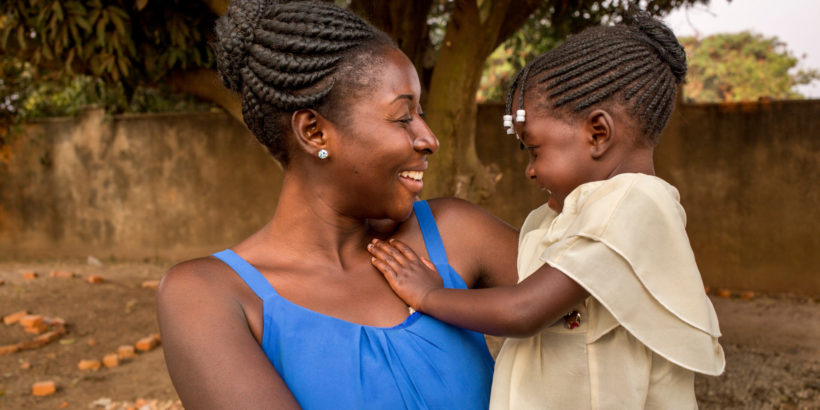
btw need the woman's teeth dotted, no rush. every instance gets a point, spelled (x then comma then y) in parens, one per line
(416, 175)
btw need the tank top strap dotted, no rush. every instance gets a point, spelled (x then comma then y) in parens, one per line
(429, 230)
(252, 277)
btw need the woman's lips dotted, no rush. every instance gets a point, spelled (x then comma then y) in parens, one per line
(412, 180)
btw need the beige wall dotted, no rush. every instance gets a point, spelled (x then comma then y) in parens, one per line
(134, 186)
(177, 186)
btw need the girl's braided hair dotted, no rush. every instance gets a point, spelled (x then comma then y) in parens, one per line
(285, 56)
(639, 65)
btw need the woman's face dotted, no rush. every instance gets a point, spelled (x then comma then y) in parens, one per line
(382, 150)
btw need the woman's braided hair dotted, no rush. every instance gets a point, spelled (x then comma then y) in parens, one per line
(285, 56)
(638, 65)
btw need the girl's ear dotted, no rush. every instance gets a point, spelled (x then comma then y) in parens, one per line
(311, 130)
(600, 130)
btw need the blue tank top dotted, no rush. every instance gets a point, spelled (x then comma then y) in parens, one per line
(329, 363)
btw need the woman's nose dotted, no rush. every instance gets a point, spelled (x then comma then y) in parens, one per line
(425, 140)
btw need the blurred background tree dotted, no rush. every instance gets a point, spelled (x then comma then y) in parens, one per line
(741, 67)
(131, 54)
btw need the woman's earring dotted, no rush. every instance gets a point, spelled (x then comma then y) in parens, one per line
(322, 153)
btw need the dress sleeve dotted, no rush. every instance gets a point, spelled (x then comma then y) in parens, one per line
(626, 244)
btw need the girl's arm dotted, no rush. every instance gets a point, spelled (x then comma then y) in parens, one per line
(517, 311)
(213, 358)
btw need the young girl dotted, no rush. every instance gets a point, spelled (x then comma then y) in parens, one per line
(609, 311)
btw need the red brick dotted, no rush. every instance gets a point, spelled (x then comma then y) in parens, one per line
(31, 320)
(150, 284)
(92, 342)
(63, 405)
(30, 275)
(747, 295)
(37, 329)
(89, 365)
(111, 360)
(8, 349)
(25, 366)
(157, 337)
(724, 293)
(61, 274)
(146, 343)
(48, 337)
(44, 388)
(125, 352)
(95, 279)
(14, 317)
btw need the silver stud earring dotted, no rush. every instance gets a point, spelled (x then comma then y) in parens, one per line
(322, 153)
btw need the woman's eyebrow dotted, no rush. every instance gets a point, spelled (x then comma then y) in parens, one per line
(409, 97)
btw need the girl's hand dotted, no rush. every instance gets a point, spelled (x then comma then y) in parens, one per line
(411, 277)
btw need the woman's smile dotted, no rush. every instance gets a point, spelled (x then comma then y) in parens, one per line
(412, 180)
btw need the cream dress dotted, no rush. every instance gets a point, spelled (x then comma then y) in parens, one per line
(647, 324)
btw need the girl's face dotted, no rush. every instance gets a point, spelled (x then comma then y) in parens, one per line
(560, 155)
(382, 154)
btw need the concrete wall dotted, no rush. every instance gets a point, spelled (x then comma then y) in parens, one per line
(177, 186)
(133, 186)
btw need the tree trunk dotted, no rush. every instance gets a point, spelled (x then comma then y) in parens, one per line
(472, 34)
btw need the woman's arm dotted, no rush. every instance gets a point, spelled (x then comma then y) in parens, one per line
(212, 357)
(517, 311)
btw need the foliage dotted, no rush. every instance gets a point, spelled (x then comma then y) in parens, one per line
(741, 67)
(545, 29)
(29, 93)
(118, 41)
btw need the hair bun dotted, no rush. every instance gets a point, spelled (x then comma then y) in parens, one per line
(235, 32)
(663, 40)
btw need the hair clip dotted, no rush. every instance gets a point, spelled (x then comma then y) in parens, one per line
(520, 116)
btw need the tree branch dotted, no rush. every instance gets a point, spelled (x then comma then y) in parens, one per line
(205, 83)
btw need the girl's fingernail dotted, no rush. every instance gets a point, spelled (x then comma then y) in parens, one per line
(369, 246)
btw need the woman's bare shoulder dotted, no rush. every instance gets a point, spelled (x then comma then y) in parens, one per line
(457, 211)
(201, 279)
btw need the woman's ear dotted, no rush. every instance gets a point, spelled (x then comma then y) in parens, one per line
(310, 129)
(600, 131)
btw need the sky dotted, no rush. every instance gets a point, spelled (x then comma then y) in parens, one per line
(794, 22)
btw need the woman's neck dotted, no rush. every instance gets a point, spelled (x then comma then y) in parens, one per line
(307, 226)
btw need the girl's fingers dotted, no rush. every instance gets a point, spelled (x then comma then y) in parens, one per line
(387, 253)
(383, 267)
(403, 249)
(429, 264)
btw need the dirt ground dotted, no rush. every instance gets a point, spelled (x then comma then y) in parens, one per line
(772, 343)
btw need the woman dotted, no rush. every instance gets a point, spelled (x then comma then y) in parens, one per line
(337, 104)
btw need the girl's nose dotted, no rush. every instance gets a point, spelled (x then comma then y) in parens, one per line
(530, 170)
